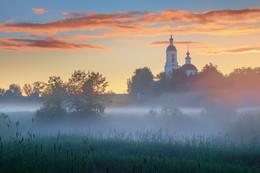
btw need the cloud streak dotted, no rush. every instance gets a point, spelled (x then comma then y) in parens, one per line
(238, 50)
(13, 44)
(180, 43)
(39, 11)
(225, 22)
(131, 24)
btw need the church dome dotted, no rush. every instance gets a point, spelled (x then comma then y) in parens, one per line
(171, 48)
(189, 67)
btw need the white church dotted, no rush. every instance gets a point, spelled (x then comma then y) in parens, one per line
(172, 61)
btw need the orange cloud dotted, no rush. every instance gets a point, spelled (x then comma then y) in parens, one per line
(180, 43)
(39, 10)
(179, 16)
(90, 22)
(44, 44)
(127, 23)
(76, 37)
(133, 24)
(239, 50)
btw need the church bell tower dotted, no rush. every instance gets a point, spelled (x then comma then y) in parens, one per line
(171, 58)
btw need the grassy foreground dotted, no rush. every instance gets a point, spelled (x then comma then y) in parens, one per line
(78, 153)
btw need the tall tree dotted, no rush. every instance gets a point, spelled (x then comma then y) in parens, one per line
(38, 88)
(161, 84)
(54, 91)
(178, 81)
(87, 91)
(140, 82)
(2, 91)
(52, 98)
(28, 90)
(34, 90)
(14, 91)
(210, 78)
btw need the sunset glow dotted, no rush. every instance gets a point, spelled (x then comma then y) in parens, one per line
(116, 41)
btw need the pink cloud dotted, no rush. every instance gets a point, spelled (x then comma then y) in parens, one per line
(237, 50)
(126, 23)
(131, 24)
(192, 44)
(39, 10)
(44, 44)
(65, 13)
(76, 37)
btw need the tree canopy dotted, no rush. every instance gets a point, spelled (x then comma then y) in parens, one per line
(243, 84)
(87, 91)
(140, 82)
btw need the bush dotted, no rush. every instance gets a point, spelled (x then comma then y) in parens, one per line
(51, 112)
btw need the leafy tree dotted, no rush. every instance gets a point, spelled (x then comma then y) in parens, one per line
(175, 82)
(140, 82)
(54, 92)
(2, 91)
(14, 91)
(34, 90)
(38, 88)
(28, 90)
(245, 78)
(244, 83)
(52, 98)
(209, 78)
(162, 84)
(87, 92)
(178, 81)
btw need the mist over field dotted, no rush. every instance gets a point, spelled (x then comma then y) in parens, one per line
(149, 129)
(130, 86)
(171, 119)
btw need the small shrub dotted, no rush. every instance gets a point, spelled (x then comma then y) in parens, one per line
(51, 112)
(173, 111)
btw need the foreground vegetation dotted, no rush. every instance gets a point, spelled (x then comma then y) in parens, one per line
(30, 146)
(123, 152)
(74, 153)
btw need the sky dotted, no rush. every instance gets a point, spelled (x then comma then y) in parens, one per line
(39, 39)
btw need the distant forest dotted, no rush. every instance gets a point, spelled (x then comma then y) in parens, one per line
(241, 83)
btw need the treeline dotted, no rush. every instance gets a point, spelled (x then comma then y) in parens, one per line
(15, 91)
(242, 84)
(83, 94)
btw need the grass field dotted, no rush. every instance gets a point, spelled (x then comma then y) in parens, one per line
(79, 153)
(25, 150)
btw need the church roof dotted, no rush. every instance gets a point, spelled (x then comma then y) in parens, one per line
(188, 55)
(189, 67)
(171, 48)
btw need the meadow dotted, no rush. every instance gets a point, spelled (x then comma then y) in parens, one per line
(101, 145)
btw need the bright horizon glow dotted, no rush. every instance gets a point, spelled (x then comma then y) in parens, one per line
(39, 40)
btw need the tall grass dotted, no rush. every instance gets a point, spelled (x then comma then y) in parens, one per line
(24, 147)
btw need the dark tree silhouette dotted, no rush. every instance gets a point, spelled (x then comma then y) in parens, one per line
(14, 91)
(162, 83)
(34, 90)
(28, 90)
(52, 98)
(245, 78)
(178, 81)
(140, 82)
(38, 88)
(87, 93)
(2, 91)
(210, 78)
